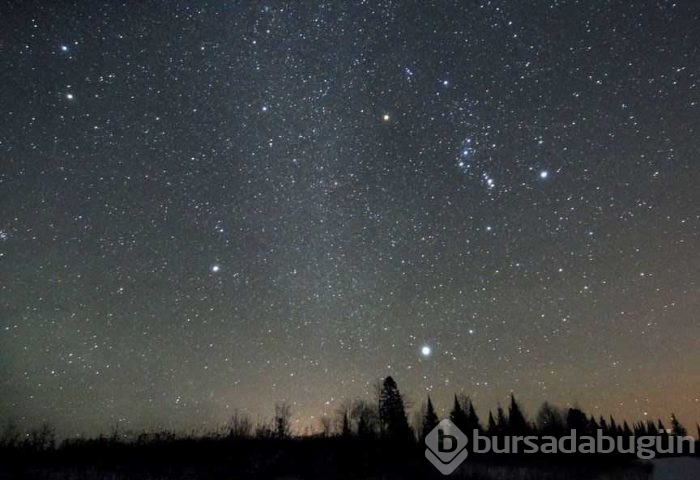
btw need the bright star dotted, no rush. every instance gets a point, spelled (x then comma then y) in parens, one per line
(386, 117)
(425, 350)
(69, 96)
(215, 268)
(544, 174)
(64, 48)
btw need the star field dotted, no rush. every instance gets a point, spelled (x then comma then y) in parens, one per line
(219, 206)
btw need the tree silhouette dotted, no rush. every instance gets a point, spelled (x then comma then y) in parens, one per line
(577, 420)
(473, 419)
(491, 424)
(517, 425)
(549, 421)
(592, 425)
(282, 423)
(345, 429)
(499, 426)
(430, 419)
(325, 422)
(603, 426)
(343, 418)
(366, 417)
(626, 430)
(613, 427)
(677, 428)
(239, 425)
(651, 428)
(458, 416)
(392, 413)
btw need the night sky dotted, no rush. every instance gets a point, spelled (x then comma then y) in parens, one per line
(216, 206)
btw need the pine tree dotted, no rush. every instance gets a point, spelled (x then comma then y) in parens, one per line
(592, 425)
(676, 427)
(517, 425)
(473, 419)
(392, 413)
(492, 424)
(430, 419)
(345, 432)
(549, 421)
(603, 426)
(459, 417)
(366, 416)
(501, 421)
(651, 428)
(577, 420)
(626, 430)
(613, 427)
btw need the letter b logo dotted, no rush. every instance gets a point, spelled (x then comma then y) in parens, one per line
(447, 447)
(451, 440)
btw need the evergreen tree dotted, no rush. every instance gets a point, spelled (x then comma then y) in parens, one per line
(430, 419)
(603, 426)
(459, 417)
(501, 421)
(345, 432)
(613, 427)
(492, 425)
(366, 417)
(626, 430)
(676, 427)
(577, 420)
(592, 425)
(473, 419)
(651, 428)
(392, 413)
(549, 421)
(517, 425)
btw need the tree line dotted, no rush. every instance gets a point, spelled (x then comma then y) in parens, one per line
(386, 417)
